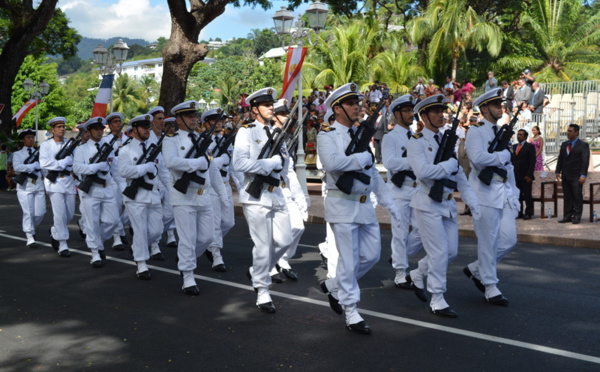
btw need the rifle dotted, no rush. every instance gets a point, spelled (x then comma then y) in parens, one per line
(359, 143)
(227, 141)
(500, 142)
(445, 152)
(32, 158)
(198, 150)
(124, 144)
(100, 157)
(66, 150)
(270, 149)
(148, 156)
(294, 139)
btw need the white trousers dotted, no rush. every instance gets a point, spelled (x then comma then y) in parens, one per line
(440, 241)
(195, 231)
(297, 225)
(101, 220)
(496, 232)
(359, 248)
(270, 231)
(146, 220)
(63, 208)
(33, 205)
(168, 218)
(405, 241)
(224, 218)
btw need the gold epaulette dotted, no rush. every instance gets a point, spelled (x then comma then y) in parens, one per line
(478, 124)
(172, 134)
(417, 135)
(248, 125)
(328, 129)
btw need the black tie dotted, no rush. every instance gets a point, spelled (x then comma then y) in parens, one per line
(408, 134)
(97, 146)
(268, 130)
(30, 151)
(437, 139)
(143, 144)
(495, 128)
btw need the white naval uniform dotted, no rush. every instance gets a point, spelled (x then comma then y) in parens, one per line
(223, 213)
(297, 208)
(268, 217)
(99, 205)
(114, 171)
(405, 241)
(437, 221)
(328, 248)
(352, 217)
(31, 193)
(496, 230)
(61, 192)
(192, 210)
(167, 209)
(145, 211)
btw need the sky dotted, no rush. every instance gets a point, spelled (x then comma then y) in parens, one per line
(150, 19)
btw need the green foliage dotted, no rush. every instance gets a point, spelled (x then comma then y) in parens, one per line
(128, 97)
(57, 39)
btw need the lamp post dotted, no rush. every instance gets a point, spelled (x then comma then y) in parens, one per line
(283, 18)
(202, 104)
(111, 60)
(38, 92)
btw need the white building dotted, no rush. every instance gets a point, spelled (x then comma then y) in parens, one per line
(149, 67)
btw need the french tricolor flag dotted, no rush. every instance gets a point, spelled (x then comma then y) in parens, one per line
(103, 97)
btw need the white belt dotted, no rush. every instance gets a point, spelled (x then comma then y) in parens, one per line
(499, 178)
(410, 183)
(354, 197)
(445, 196)
(191, 191)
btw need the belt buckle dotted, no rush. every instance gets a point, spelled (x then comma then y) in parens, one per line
(61, 176)
(270, 188)
(33, 181)
(449, 196)
(504, 180)
(104, 185)
(414, 184)
(200, 192)
(283, 185)
(363, 198)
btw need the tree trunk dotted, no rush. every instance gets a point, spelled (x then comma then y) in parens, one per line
(26, 24)
(454, 67)
(182, 50)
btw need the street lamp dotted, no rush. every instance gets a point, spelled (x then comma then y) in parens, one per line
(202, 104)
(38, 92)
(283, 18)
(213, 104)
(111, 60)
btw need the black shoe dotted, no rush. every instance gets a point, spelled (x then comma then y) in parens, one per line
(209, 255)
(220, 268)
(499, 300)
(576, 220)
(420, 293)
(567, 218)
(144, 275)
(124, 239)
(360, 327)
(408, 284)
(119, 247)
(477, 282)
(80, 229)
(191, 291)
(65, 253)
(32, 245)
(446, 312)
(290, 274)
(97, 264)
(55, 244)
(520, 215)
(333, 303)
(158, 256)
(527, 217)
(102, 254)
(172, 244)
(267, 307)
(276, 279)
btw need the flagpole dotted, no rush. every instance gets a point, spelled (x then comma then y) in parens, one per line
(300, 164)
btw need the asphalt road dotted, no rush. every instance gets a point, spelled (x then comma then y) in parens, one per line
(61, 314)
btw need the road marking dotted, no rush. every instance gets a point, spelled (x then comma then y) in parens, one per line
(394, 318)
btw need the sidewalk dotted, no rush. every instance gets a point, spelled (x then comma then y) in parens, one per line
(536, 230)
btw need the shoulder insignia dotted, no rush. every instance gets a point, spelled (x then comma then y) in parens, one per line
(328, 129)
(248, 125)
(478, 124)
(173, 134)
(417, 135)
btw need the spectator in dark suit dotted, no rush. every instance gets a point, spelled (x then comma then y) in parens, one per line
(523, 159)
(380, 129)
(537, 99)
(571, 169)
(509, 94)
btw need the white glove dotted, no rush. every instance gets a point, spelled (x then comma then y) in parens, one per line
(99, 167)
(146, 168)
(225, 201)
(198, 164)
(514, 204)
(220, 161)
(450, 165)
(475, 212)
(237, 184)
(33, 167)
(63, 163)
(504, 157)
(394, 212)
(365, 159)
(271, 164)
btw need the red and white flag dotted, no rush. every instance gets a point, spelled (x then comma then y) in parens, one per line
(293, 66)
(24, 110)
(103, 96)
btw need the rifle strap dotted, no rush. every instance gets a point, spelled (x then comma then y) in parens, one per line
(196, 178)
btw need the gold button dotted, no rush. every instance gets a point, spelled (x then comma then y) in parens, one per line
(200, 191)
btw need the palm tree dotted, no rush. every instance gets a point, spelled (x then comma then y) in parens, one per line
(397, 67)
(128, 97)
(451, 27)
(566, 47)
